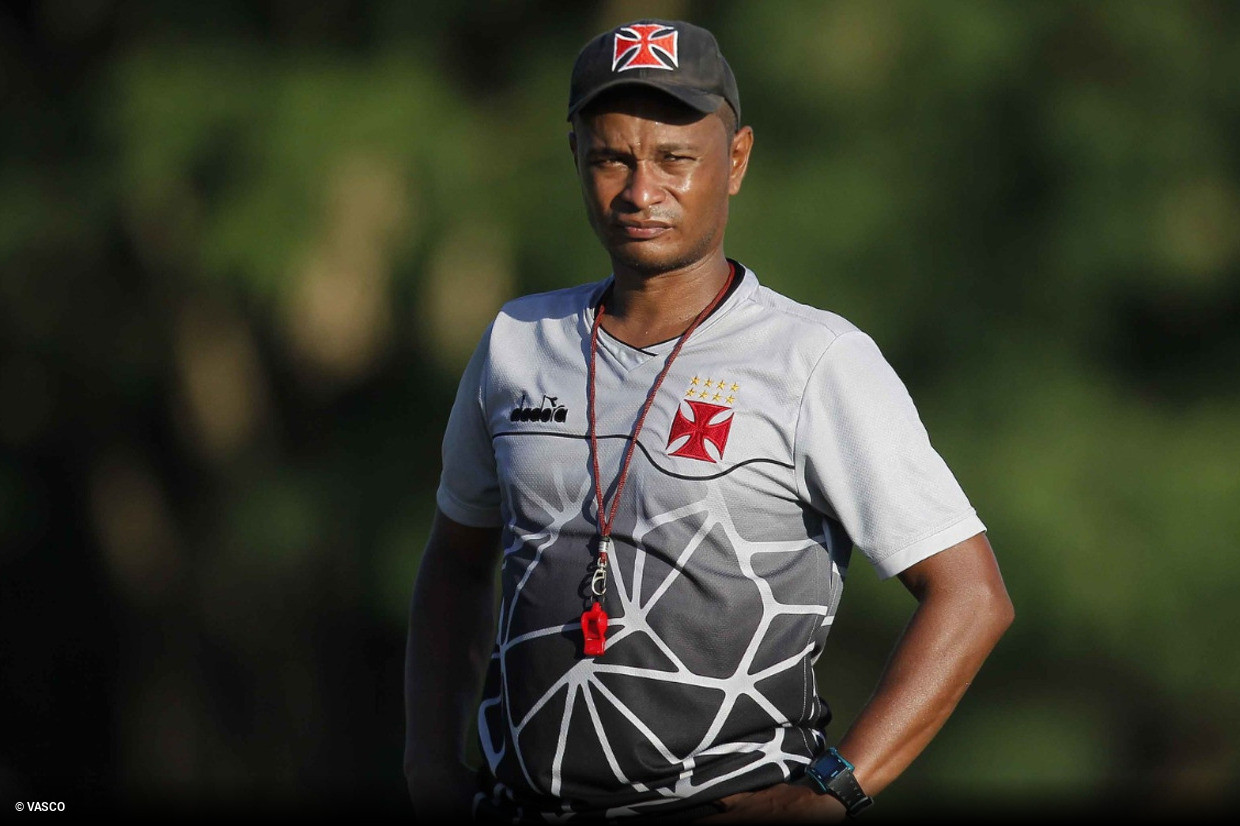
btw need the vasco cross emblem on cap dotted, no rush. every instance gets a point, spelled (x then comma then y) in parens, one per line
(645, 46)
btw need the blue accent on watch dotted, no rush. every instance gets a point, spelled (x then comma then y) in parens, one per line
(832, 774)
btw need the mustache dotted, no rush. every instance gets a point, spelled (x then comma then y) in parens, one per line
(662, 216)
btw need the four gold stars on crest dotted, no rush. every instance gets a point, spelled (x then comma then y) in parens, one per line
(710, 390)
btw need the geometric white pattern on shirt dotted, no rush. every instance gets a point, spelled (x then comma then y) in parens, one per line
(581, 684)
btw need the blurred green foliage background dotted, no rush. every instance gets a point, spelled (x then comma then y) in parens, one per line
(245, 249)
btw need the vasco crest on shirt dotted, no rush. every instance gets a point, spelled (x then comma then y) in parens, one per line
(703, 420)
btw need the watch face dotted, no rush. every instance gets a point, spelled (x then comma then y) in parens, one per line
(840, 758)
(829, 765)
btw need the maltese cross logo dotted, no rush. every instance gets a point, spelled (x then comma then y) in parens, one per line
(700, 431)
(645, 46)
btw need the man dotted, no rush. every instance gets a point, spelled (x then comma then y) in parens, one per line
(674, 464)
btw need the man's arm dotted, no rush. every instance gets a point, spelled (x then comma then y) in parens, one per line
(451, 629)
(963, 609)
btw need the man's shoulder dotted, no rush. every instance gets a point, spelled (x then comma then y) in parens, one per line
(799, 318)
(565, 302)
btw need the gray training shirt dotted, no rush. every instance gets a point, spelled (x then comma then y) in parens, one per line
(780, 439)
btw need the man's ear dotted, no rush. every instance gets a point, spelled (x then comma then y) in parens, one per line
(742, 145)
(572, 145)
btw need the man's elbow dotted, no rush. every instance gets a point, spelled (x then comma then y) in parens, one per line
(996, 606)
(984, 606)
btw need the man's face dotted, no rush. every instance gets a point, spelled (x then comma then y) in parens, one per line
(656, 177)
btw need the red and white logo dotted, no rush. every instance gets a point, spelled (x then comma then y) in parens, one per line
(645, 46)
(700, 431)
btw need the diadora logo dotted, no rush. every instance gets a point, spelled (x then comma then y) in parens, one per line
(547, 411)
(700, 429)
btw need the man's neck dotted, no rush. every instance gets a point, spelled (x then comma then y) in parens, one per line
(648, 309)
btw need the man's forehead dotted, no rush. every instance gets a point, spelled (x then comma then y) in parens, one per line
(643, 103)
(610, 131)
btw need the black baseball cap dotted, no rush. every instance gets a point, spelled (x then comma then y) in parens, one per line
(678, 58)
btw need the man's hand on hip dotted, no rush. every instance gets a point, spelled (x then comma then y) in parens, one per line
(782, 803)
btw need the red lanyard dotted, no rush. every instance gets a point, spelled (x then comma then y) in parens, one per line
(594, 620)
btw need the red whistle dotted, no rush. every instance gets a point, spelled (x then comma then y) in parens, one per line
(594, 628)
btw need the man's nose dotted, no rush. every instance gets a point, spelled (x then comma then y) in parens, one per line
(643, 189)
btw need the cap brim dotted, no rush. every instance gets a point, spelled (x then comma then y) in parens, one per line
(703, 102)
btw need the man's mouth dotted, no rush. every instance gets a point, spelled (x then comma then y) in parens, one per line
(642, 230)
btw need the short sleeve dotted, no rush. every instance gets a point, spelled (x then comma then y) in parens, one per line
(863, 457)
(468, 485)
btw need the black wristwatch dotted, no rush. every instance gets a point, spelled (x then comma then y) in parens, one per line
(829, 773)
